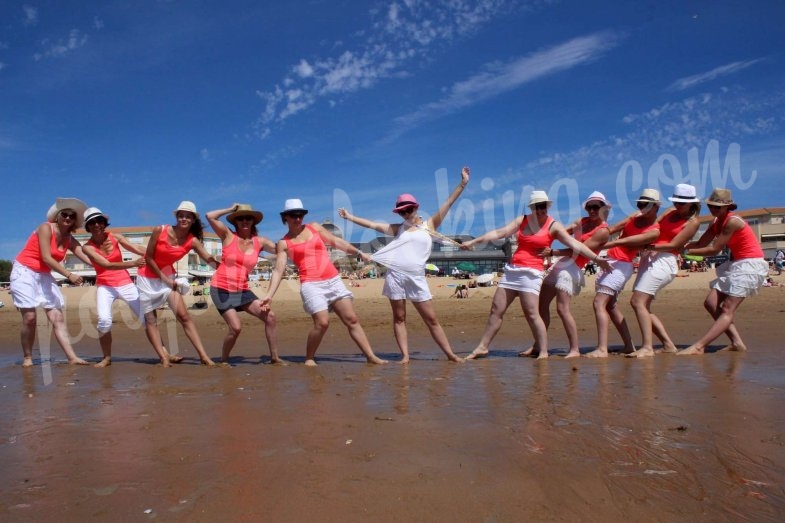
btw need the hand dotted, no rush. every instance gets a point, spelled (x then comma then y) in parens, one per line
(342, 212)
(140, 262)
(266, 301)
(604, 265)
(364, 256)
(467, 245)
(235, 206)
(465, 176)
(545, 253)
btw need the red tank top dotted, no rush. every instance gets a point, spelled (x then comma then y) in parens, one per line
(623, 252)
(670, 229)
(110, 277)
(311, 258)
(165, 255)
(528, 245)
(743, 244)
(30, 256)
(584, 235)
(232, 274)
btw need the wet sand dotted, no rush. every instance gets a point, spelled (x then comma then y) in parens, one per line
(698, 438)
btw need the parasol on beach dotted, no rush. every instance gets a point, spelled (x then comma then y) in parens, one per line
(430, 267)
(466, 266)
(484, 279)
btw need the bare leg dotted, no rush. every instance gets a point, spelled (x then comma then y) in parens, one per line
(547, 293)
(727, 308)
(154, 337)
(570, 327)
(399, 328)
(502, 299)
(428, 314)
(621, 326)
(712, 305)
(321, 321)
(530, 303)
(27, 336)
(189, 327)
(344, 309)
(662, 334)
(601, 303)
(641, 304)
(61, 335)
(235, 325)
(105, 340)
(270, 329)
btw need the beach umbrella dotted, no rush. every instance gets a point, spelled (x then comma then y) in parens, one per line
(693, 257)
(466, 266)
(430, 267)
(484, 278)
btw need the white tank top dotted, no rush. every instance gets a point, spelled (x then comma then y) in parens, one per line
(408, 252)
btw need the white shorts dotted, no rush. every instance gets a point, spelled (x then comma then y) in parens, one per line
(105, 296)
(401, 286)
(521, 279)
(153, 293)
(742, 278)
(30, 289)
(565, 276)
(319, 296)
(655, 272)
(613, 282)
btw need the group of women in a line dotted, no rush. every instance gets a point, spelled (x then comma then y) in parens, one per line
(322, 290)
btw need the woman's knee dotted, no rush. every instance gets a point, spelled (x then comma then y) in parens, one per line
(104, 325)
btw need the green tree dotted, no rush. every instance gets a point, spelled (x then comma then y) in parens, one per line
(5, 270)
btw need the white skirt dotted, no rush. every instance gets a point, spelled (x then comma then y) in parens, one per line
(31, 289)
(613, 282)
(655, 272)
(566, 277)
(153, 293)
(742, 278)
(521, 279)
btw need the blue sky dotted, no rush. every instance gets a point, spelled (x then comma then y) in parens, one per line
(134, 106)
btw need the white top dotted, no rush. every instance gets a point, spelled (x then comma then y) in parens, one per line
(408, 252)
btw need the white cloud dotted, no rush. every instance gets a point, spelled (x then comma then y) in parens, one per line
(401, 34)
(723, 70)
(31, 15)
(500, 78)
(75, 40)
(98, 23)
(205, 154)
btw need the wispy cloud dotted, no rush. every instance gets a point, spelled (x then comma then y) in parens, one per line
(62, 47)
(30, 15)
(2, 66)
(499, 78)
(724, 70)
(398, 35)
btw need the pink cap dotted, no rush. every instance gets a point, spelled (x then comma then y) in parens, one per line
(404, 201)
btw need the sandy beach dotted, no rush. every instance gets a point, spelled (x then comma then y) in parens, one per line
(697, 438)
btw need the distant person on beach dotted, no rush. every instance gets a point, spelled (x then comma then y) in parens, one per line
(321, 287)
(524, 273)
(660, 265)
(229, 288)
(461, 292)
(112, 278)
(157, 280)
(779, 261)
(738, 278)
(405, 258)
(32, 283)
(565, 279)
(637, 230)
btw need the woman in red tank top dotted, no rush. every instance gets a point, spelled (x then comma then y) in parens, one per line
(32, 283)
(321, 288)
(523, 275)
(157, 280)
(738, 278)
(229, 288)
(112, 279)
(659, 266)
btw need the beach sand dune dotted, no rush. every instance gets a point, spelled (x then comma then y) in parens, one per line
(697, 438)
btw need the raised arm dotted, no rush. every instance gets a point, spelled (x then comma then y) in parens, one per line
(436, 219)
(214, 218)
(384, 228)
(497, 234)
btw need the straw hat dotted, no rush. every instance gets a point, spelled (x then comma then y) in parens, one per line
(244, 209)
(92, 213)
(185, 205)
(684, 193)
(405, 201)
(539, 197)
(597, 196)
(61, 204)
(649, 195)
(721, 198)
(293, 205)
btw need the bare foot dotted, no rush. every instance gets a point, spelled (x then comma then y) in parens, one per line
(574, 353)
(477, 353)
(310, 363)
(691, 350)
(456, 359)
(278, 361)
(375, 360)
(404, 360)
(643, 352)
(176, 359)
(27, 362)
(224, 364)
(78, 361)
(528, 352)
(669, 348)
(542, 355)
(597, 353)
(165, 364)
(735, 347)
(103, 363)
(208, 362)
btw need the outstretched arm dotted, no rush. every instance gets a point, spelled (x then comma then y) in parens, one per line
(558, 232)
(333, 241)
(384, 228)
(203, 254)
(97, 259)
(498, 234)
(436, 219)
(719, 241)
(128, 246)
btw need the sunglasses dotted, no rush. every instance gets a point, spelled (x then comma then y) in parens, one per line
(540, 206)
(68, 215)
(97, 221)
(593, 207)
(714, 207)
(296, 215)
(244, 219)
(645, 205)
(408, 210)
